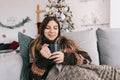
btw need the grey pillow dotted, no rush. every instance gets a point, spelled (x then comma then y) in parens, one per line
(87, 41)
(24, 41)
(109, 46)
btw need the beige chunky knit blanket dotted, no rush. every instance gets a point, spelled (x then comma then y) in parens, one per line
(84, 72)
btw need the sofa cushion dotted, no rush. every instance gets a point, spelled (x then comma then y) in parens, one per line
(87, 41)
(14, 45)
(109, 46)
(4, 46)
(24, 41)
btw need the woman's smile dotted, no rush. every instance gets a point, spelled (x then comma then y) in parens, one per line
(52, 36)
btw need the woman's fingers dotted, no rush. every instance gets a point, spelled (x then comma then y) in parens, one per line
(45, 52)
(57, 57)
(58, 60)
(54, 55)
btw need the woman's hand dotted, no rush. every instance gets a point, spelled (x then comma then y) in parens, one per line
(45, 51)
(57, 57)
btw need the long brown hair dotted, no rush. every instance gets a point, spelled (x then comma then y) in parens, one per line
(67, 45)
(37, 43)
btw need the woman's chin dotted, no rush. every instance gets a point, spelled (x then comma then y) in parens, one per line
(51, 39)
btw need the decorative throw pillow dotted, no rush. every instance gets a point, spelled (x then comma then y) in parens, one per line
(87, 40)
(14, 45)
(109, 46)
(24, 41)
(4, 46)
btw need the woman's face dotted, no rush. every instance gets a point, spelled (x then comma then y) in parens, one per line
(51, 31)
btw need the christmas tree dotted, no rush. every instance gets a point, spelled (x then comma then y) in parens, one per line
(59, 9)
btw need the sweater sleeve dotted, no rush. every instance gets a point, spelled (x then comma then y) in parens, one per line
(39, 66)
(41, 62)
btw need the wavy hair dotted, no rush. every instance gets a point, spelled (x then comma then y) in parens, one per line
(37, 43)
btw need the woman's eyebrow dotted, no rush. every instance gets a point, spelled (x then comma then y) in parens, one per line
(55, 26)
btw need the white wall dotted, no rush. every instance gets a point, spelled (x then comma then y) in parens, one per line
(115, 14)
(14, 11)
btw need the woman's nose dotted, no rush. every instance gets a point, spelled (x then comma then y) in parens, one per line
(51, 30)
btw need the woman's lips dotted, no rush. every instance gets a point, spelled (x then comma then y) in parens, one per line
(51, 36)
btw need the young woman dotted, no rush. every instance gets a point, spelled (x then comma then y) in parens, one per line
(41, 58)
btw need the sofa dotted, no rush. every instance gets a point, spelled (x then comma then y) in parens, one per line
(102, 45)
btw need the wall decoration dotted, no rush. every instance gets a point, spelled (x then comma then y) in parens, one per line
(38, 12)
(94, 13)
(27, 19)
(4, 36)
(94, 19)
(24, 30)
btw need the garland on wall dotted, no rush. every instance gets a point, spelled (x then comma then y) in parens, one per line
(27, 19)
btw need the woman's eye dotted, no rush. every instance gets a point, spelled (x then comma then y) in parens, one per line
(47, 27)
(55, 27)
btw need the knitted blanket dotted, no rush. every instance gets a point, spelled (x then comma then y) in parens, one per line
(85, 72)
